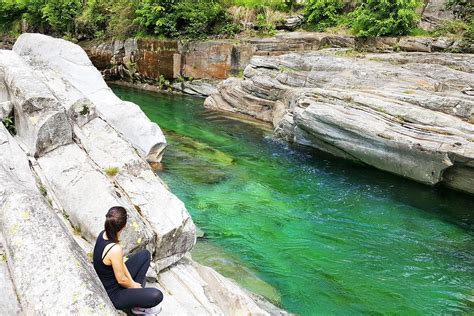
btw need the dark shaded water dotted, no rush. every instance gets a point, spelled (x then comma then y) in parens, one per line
(330, 237)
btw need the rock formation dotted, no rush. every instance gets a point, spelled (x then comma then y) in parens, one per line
(57, 181)
(411, 114)
(145, 60)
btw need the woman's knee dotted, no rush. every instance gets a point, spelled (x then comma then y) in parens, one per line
(157, 296)
(144, 255)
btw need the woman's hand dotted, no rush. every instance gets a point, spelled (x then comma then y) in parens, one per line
(136, 285)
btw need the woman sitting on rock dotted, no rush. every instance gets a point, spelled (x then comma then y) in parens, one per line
(124, 282)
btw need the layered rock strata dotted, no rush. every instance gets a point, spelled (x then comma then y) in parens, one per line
(145, 60)
(59, 177)
(409, 114)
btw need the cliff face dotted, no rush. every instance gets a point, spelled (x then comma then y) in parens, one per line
(411, 114)
(55, 189)
(145, 60)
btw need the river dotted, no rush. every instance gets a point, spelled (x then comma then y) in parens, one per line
(320, 235)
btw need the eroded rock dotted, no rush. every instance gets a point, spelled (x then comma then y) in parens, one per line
(59, 279)
(72, 64)
(403, 113)
(40, 120)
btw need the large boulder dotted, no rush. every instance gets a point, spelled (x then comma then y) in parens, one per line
(86, 194)
(71, 63)
(50, 272)
(77, 174)
(162, 210)
(40, 120)
(409, 114)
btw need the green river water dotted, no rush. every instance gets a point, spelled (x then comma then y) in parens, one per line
(314, 234)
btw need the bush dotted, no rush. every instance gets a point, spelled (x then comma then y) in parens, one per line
(94, 19)
(181, 18)
(281, 5)
(321, 14)
(61, 14)
(385, 17)
(10, 14)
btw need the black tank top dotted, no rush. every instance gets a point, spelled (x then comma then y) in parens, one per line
(105, 272)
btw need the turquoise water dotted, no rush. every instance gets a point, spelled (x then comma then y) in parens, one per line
(328, 236)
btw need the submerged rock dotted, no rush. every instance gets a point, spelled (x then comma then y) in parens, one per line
(197, 88)
(403, 113)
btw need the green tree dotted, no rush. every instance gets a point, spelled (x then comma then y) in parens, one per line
(385, 17)
(61, 14)
(181, 18)
(321, 14)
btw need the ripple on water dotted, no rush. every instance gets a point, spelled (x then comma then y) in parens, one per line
(327, 236)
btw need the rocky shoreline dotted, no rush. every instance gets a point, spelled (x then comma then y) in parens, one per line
(411, 114)
(56, 184)
(146, 60)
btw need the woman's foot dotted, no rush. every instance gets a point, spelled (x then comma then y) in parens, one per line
(147, 311)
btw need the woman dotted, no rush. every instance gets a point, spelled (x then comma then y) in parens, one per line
(124, 282)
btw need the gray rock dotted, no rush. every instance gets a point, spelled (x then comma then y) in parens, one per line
(61, 280)
(415, 44)
(71, 63)
(162, 210)
(6, 109)
(8, 300)
(442, 44)
(192, 289)
(435, 12)
(40, 121)
(86, 194)
(403, 113)
(291, 22)
(195, 87)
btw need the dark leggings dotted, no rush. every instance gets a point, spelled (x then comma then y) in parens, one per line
(124, 298)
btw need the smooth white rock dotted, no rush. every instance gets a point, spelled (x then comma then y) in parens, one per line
(71, 62)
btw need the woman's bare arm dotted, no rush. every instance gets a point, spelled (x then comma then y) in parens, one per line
(115, 257)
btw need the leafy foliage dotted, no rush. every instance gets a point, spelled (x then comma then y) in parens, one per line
(184, 18)
(321, 14)
(385, 17)
(61, 14)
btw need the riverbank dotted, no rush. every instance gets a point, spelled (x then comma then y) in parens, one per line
(74, 152)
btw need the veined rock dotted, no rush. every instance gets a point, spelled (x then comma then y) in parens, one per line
(411, 114)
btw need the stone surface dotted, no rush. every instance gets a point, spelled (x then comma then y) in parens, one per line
(434, 13)
(403, 113)
(6, 109)
(72, 64)
(144, 61)
(53, 203)
(147, 195)
(8, 300)
(86, 194)
(61, 280)
(40, 121)
(196, 87)
(192, 289)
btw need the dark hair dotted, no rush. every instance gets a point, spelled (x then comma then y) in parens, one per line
(115, 220)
